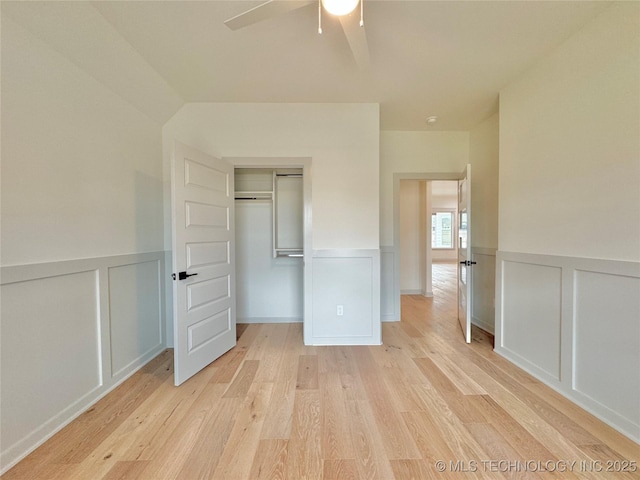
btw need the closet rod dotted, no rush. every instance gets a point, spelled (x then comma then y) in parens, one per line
(298, 175)
(252, 197)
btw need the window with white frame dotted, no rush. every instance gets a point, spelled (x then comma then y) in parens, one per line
(443, 229)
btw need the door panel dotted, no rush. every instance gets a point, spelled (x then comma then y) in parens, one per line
(464, 253)
(203, 249)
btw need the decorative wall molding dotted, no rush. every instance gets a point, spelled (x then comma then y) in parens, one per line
(483, 288)
(574, 323)
(349, 278)
(91, 323)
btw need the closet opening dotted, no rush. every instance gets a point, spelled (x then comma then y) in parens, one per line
(269, 245)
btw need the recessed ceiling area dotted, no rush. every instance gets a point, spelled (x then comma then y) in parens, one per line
(449, 57)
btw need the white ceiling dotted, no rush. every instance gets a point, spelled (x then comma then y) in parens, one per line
(445, 58)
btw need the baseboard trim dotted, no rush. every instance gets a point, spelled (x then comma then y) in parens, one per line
(411, 292)
(249, 320)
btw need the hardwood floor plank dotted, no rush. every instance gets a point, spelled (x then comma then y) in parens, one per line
(402, 395)
(227, 365)
(26, 470)
(412, 470)
(500, 451)
(207, 443)
(397, 439)
(181, 444)
(147, 442)
(304, 459)
(462, 444)
(307, 378)
(414, 346)
(371, 458)
(463, 407)
(432, 445)
(269, 460)
(277, 424)
(336, 443)
(457, 376)
(126, 470)
(511, 430)
(611, 462)
(269, 351)
(243, 380)
(340, 469)
(340, 360)
(237, 457)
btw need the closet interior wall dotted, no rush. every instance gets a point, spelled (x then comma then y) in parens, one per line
(269, 232)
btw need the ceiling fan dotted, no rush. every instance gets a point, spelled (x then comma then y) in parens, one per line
(352, 26)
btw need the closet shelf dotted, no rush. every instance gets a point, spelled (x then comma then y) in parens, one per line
(255, 195)
(289, 252)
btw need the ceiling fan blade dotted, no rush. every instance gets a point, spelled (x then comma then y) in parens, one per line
(357, 38)
(264, 11)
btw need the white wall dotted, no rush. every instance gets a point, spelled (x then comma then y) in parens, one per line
(483, 156)
(343, 143)
(569, 150)
(569, 219)
(82, 238)
(81, 167)
(410, 253)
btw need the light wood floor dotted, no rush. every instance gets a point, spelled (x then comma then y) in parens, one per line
(275, 409)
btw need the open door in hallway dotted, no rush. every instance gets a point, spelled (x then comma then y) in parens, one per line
(204, 321)
(464, 253)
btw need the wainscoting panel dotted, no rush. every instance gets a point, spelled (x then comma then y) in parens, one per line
(350, 279)
(592, 307)
(483, 310)
(71, 332)
(50, 350)
(532, 303)
(134, 313)
(607, 341)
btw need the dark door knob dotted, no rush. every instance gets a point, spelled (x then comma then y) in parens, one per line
(183, 275)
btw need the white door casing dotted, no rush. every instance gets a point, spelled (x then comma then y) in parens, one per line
(464, 253)
(202, 208)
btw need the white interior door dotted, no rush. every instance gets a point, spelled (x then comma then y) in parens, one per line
(464, 253)
(204, 322)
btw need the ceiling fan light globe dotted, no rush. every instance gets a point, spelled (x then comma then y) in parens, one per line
(340, 7)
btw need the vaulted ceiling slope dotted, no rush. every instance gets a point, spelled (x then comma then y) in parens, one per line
(445, 58)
